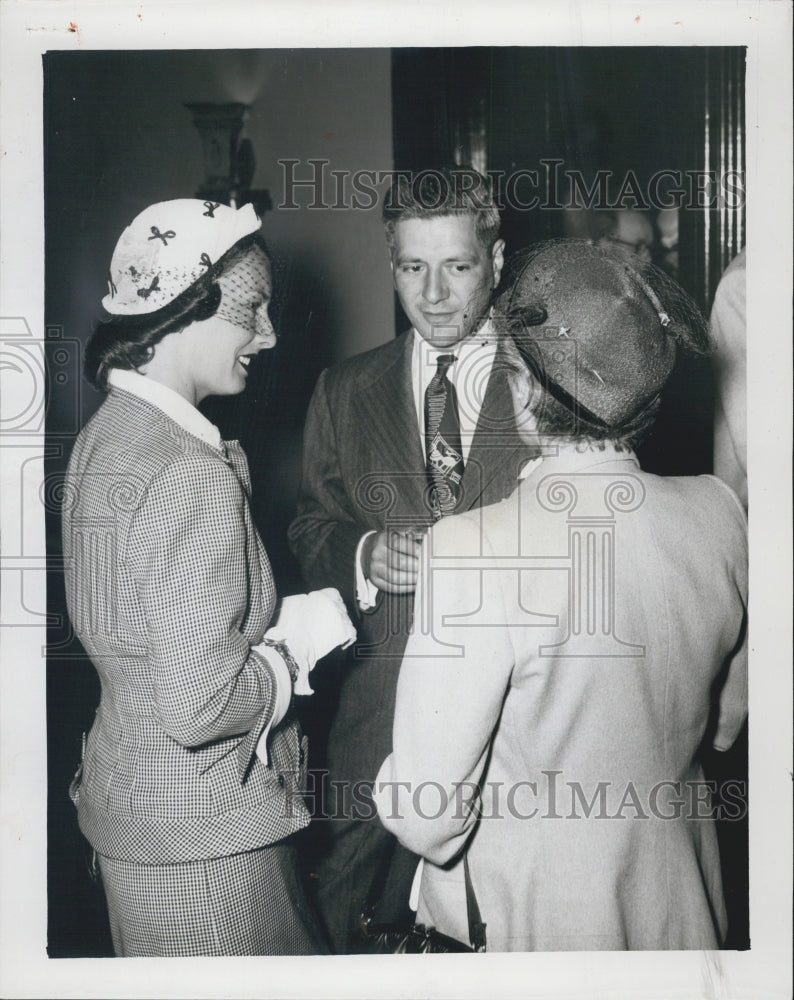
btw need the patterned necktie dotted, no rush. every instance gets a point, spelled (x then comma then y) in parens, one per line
(442, 440)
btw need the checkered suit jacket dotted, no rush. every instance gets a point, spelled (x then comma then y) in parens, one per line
(168, 587)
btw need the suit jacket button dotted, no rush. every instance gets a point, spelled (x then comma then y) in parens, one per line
(281, 780)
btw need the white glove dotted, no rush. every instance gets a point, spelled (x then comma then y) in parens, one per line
(312, 625)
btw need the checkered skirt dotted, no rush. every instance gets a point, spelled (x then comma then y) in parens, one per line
(244, 904)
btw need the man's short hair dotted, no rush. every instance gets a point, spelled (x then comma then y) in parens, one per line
(435, 193)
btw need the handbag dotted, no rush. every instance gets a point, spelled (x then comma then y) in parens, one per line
(412, 938)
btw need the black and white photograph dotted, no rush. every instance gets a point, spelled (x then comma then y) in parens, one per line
(387, 465)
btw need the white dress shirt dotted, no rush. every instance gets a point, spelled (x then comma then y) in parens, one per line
(469, 374)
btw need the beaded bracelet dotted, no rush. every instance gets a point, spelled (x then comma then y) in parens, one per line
(284, 652)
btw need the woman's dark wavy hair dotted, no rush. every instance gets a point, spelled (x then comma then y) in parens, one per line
(128, 342)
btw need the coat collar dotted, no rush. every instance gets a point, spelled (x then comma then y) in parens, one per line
(566, 457)
(497, 451)
(171, 403)
(145, 409)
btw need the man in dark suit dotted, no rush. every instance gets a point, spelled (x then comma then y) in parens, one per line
(396, 438)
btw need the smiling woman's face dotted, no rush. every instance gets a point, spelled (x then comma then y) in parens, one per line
(223, 345)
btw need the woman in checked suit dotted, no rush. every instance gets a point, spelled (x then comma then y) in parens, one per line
(189, 787)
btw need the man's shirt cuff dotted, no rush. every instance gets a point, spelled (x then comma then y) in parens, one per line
(366, 591)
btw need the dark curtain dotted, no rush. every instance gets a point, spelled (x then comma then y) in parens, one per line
(717, 232)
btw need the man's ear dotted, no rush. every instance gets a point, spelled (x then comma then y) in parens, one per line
(497, 260)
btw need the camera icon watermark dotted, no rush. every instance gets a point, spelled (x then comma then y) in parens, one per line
(40, 393)
(22, 363)
(41, 381)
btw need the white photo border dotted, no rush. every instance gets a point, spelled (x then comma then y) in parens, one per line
(31, 28)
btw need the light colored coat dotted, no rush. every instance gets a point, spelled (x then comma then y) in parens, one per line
(560, 680)
(364, 469)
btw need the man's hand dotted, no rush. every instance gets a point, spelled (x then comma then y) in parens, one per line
(390, 559)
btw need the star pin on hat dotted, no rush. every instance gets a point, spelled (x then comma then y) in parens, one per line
(601, 326)
(167, 248)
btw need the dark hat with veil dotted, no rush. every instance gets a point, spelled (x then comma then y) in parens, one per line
(597, 327)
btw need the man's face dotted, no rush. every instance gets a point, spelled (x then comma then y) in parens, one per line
(444, 276)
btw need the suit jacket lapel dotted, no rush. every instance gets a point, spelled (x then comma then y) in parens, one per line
(388, 421)
(497, 451)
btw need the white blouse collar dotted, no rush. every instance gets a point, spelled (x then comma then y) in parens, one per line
(171, 403)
